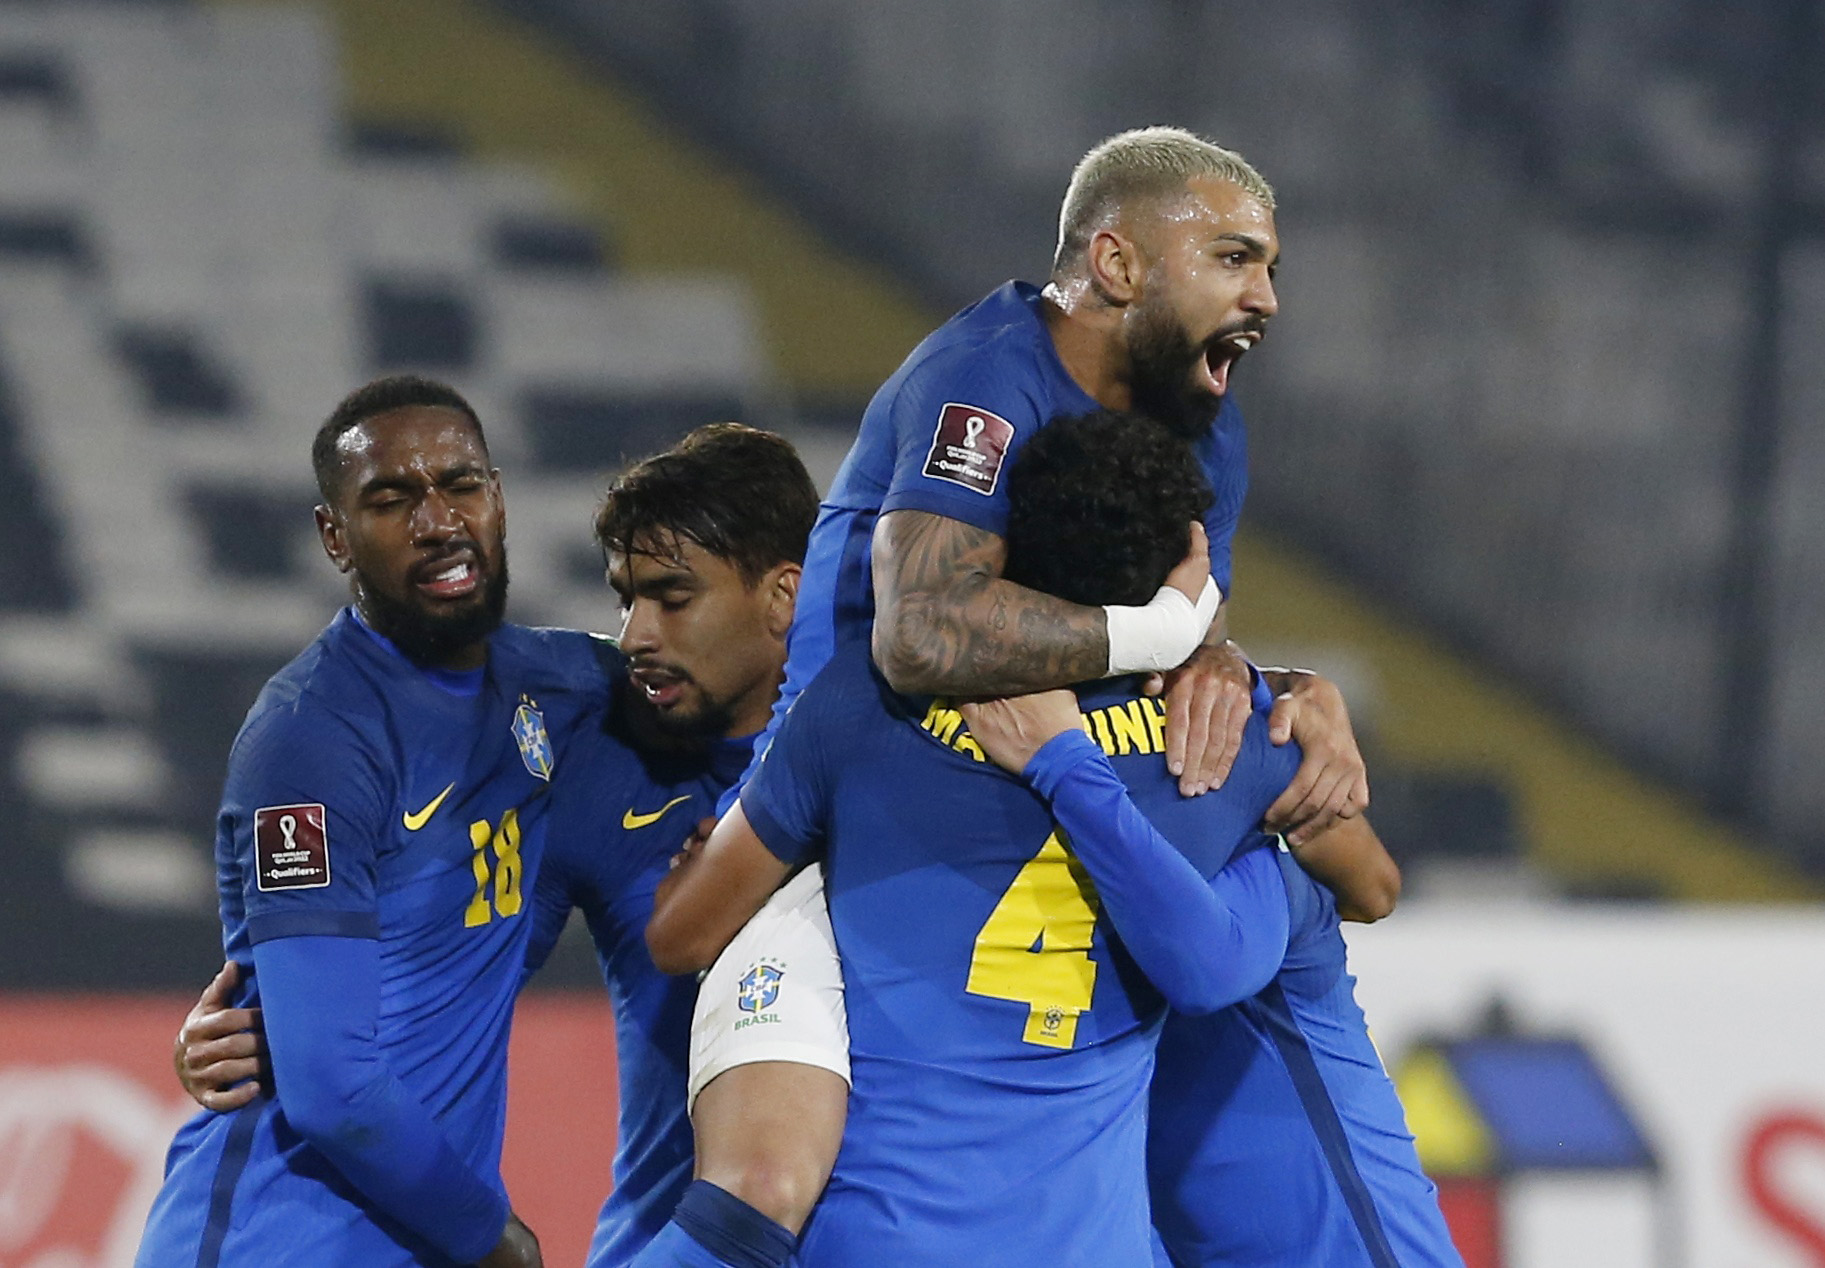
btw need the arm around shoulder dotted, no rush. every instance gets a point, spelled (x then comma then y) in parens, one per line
(946, 623)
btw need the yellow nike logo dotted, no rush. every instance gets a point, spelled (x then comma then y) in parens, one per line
(416, 821)
(630, 820)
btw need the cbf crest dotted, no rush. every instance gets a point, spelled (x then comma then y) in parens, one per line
(759, 986)
(529, 731)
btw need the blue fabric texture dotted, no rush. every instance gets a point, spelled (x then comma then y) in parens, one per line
(675, 1248)
(1204, 945)
(732, 1230)
(322, 1027)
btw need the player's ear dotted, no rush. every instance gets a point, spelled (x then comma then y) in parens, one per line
(335, 538)
(781, 583)
(1115, 265)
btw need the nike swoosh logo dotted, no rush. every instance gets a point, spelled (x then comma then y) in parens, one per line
(630, 820)
(416, 821)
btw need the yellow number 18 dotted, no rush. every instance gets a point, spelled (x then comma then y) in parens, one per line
(1035, 947)
(506, 870)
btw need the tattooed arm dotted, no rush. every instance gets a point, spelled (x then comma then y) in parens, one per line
(946, 622)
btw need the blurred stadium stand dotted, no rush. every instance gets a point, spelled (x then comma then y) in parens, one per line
(215, 219)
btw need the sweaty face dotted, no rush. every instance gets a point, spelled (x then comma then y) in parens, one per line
(419, 522)
(1206, 300)
(705, 647)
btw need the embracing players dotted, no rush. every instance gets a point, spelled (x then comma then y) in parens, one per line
(704, 544)
(1162, 280)
(1010, 946)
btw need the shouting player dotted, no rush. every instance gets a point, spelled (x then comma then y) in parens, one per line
(384, 814)
(1001, 1039)
(1162, 280)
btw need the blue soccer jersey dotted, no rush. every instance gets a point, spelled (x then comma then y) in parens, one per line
(940, 436)
(1001, 1038)
(390, 823)
(614, 829)
(1276, 1136)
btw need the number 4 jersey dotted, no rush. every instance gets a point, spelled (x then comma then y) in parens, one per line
(367, 799)
(1001, 1041)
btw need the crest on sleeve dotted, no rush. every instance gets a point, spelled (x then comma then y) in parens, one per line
(759, 986)
(291, 848)
(529, 732)
(969, 447)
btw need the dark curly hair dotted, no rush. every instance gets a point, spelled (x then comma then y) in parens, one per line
(1100, 508)
(738, 492)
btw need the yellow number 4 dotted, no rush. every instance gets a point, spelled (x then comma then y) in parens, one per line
(507, 867)
(1035, 947)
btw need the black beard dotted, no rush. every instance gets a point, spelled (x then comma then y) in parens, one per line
(1161, 357)
(651, 731)
(427, 639)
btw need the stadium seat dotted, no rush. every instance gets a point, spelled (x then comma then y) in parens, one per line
(198, 257)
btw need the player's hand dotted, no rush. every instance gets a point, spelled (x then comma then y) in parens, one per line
(1332, 782)
(694, 842)
(220, 1051)
(518, 1248)
(1206, 708)
(686, 852)
(1190, 573)
(1013, 728)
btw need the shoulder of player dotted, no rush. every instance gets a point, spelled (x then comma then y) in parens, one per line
(999, 313)
(848, 683)
(598, 762)
(297, 715)
(324, 702)
(332, 678)
(552, 657)
(846, 703)
(995, 368)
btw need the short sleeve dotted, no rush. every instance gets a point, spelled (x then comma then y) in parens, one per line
(787, 799)
(308, 812)
(957, 426)
(1224, 455)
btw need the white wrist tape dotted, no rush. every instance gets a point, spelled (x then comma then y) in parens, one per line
(1163, 634)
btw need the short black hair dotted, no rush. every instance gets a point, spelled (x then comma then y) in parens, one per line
(382, 396)
(738, 492)
(1100, 508)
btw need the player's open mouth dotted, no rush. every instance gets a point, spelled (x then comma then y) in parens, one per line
(661, 688)
(447, 578)
(1220, 354)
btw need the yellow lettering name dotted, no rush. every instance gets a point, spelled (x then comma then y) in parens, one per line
(1132, 727)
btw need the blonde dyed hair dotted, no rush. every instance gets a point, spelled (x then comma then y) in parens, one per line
(1142, 165)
